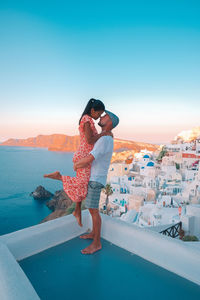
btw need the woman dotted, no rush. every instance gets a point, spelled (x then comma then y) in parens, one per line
(76, 187)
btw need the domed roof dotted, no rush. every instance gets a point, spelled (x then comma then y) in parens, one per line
(150, 164)
(146, 156)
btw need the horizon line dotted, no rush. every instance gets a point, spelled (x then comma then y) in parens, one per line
(116, 138)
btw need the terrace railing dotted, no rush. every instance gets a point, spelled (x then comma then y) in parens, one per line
(173, 231)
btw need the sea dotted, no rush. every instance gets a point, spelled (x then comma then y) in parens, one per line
(21, 171)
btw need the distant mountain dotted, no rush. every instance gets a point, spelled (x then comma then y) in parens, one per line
(61, 142)
(124, 145)
(188, 135)
(54, 142)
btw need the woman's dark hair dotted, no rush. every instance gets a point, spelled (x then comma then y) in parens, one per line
(92, 103)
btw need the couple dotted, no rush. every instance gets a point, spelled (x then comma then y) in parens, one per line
(91, 163)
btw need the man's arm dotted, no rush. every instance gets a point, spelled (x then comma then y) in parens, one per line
(83, 162)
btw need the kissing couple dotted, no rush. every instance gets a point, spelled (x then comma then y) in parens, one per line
(91, 163)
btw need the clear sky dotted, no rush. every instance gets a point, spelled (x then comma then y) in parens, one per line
(141, 58)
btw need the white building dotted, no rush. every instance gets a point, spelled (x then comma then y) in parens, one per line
(189, 159)
(117, 169)
(191, 221)
(198, 145)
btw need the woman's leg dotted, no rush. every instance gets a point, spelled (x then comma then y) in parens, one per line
(55, 175)
(77, 213)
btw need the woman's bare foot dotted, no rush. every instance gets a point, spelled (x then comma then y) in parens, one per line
(78, 218)
(92, 248)
(89, 236)
(55, 175)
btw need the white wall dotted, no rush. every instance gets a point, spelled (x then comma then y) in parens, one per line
(34, 239)
(14, 285)
(193, 215)
(152, 246)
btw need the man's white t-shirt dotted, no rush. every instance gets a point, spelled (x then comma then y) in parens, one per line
(102, 153)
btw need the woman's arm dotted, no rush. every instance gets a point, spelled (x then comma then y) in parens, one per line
(91, 139)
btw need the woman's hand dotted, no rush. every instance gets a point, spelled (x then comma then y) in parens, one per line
(75, 167)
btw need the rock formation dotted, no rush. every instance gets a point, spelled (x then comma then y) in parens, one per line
(124, 145)
(54, 142)
(59, 205)
(41, 194)
(60, 200)
(54, 215)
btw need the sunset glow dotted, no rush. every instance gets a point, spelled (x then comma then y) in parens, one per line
(141, 60)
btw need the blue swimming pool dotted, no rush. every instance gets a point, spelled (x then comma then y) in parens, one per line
(62, 272)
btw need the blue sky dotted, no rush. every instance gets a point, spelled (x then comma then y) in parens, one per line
(140, 57)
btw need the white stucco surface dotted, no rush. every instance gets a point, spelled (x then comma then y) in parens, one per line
(14, 285)
(171, 254)
(34, 239)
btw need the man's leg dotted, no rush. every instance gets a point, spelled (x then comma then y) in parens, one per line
(89, 235)
(96, 221)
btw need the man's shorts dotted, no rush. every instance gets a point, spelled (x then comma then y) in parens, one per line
(93, 194)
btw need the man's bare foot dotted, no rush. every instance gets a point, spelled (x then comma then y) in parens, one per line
(92, 248)
(89, 236)
(54, 175)
(78, 218)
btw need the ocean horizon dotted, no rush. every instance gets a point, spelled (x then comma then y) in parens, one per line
(21, 171)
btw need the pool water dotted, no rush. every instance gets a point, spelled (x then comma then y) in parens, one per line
(62, 272)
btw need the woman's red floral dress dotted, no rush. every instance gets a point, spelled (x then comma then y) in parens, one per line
(76, 187)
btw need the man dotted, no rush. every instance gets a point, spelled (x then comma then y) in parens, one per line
(100, 158)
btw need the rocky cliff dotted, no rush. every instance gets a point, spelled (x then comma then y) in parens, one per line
(61, 142)
(54, 142)
(41, 193)
(60, 200)
(124, 145)
(59, 205)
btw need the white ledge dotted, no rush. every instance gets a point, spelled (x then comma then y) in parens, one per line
(172, 254)
(34, 239)
(13, 282)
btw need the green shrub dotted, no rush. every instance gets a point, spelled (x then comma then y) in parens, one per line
(162, 154)
(190, 238)
(71, 209)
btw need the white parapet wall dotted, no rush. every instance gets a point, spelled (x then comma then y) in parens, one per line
(13, 282)
(171, 254)
(14, 285)
(34, 239)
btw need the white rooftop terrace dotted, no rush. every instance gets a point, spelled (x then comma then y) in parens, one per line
(171, 254)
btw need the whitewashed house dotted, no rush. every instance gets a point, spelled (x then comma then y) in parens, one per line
(117, 169)
(191, 221)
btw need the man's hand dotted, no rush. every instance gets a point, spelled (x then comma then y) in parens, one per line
(83, 162)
